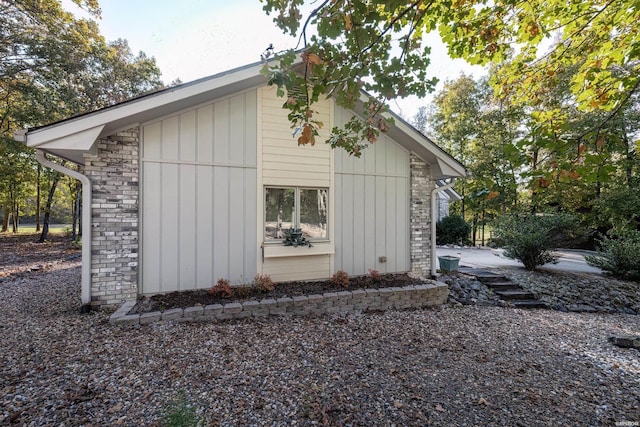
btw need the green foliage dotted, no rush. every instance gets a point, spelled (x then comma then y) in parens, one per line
(481, 131)
(548, 155)
(530, 238)
(180, 413)
(619, 254)
(378, 47)
(452, 229)
(54, 65)
(619, 208)
(341, 279)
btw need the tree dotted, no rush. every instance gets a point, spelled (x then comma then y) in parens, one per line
(52, 66)
(482, 131)
(454, 121)
(377, 46)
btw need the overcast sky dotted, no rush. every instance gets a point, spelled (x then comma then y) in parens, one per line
(196, 38)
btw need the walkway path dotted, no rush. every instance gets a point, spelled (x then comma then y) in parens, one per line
(569, 259)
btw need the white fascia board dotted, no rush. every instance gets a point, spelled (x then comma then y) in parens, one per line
(449, 166)
(63, 129)
(448, 170)
(82, 141)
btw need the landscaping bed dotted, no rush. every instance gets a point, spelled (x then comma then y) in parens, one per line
(203, 297)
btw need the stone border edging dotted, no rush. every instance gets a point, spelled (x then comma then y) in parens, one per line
(398, 298)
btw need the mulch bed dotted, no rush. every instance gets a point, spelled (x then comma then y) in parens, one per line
(183, 299)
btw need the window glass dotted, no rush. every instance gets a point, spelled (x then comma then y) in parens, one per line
(313, 213)
(280, 214)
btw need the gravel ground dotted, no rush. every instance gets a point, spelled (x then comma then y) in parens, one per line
(461, 366)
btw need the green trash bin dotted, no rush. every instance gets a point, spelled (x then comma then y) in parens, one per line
(448, 263)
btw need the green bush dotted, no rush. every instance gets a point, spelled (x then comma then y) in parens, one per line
(530, 238)
(452, 229)
(619, 255)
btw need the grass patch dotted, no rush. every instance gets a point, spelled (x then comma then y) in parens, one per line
(58, 229)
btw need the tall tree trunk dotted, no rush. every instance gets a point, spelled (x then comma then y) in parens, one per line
(16, 217)
(47, 209)
(80, 210)
(474, 229)
(75, 207)
(38, 198)
(629, 156)
(534, 192)
(5, 219)
(483, 222)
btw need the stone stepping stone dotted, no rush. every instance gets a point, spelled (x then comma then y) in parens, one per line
(503, 286)
(505, 289)
(528, 304)
(511, 295)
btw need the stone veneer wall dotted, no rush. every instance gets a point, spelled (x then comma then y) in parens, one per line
(114, 173)
(420, 213)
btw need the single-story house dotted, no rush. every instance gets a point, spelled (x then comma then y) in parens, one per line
(201, 181)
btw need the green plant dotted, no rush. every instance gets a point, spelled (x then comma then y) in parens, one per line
(294, 237)
(530, 238)
(264, 283)
(180, 413)
(619, 255)
(222, 288)
(341, 279)
(452, 229)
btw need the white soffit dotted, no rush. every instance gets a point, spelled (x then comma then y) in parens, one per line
(81, 141)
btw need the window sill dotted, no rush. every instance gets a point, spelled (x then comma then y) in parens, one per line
(281, 251)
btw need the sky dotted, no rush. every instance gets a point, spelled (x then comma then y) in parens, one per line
(196, 38)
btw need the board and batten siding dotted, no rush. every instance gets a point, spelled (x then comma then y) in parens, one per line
(199, 196)
(285, 164)
(372, 207)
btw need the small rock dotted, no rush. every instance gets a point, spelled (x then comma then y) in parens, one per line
(581, 308)
(626, 341)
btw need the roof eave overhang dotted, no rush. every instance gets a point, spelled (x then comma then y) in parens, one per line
(74, 137)
(441, 163)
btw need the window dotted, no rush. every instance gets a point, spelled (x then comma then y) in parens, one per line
(296, 207)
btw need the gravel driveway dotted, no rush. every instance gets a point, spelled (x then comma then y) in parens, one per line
(461, 366)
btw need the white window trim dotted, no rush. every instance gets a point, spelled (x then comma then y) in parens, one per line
(296, 208)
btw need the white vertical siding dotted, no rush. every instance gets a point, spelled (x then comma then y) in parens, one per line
(372, 207)
(199, 196)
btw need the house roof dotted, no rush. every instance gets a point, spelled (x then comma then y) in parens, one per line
(75, 136)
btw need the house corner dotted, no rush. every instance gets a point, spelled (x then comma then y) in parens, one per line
(420, 213)
(114, 174)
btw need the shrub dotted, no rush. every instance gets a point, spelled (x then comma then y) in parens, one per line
(242, 291)
(452, 229)
(222, 288)
(530, 238)
(375, 276)
(341, 279)
(619, 255)
(264, 283)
